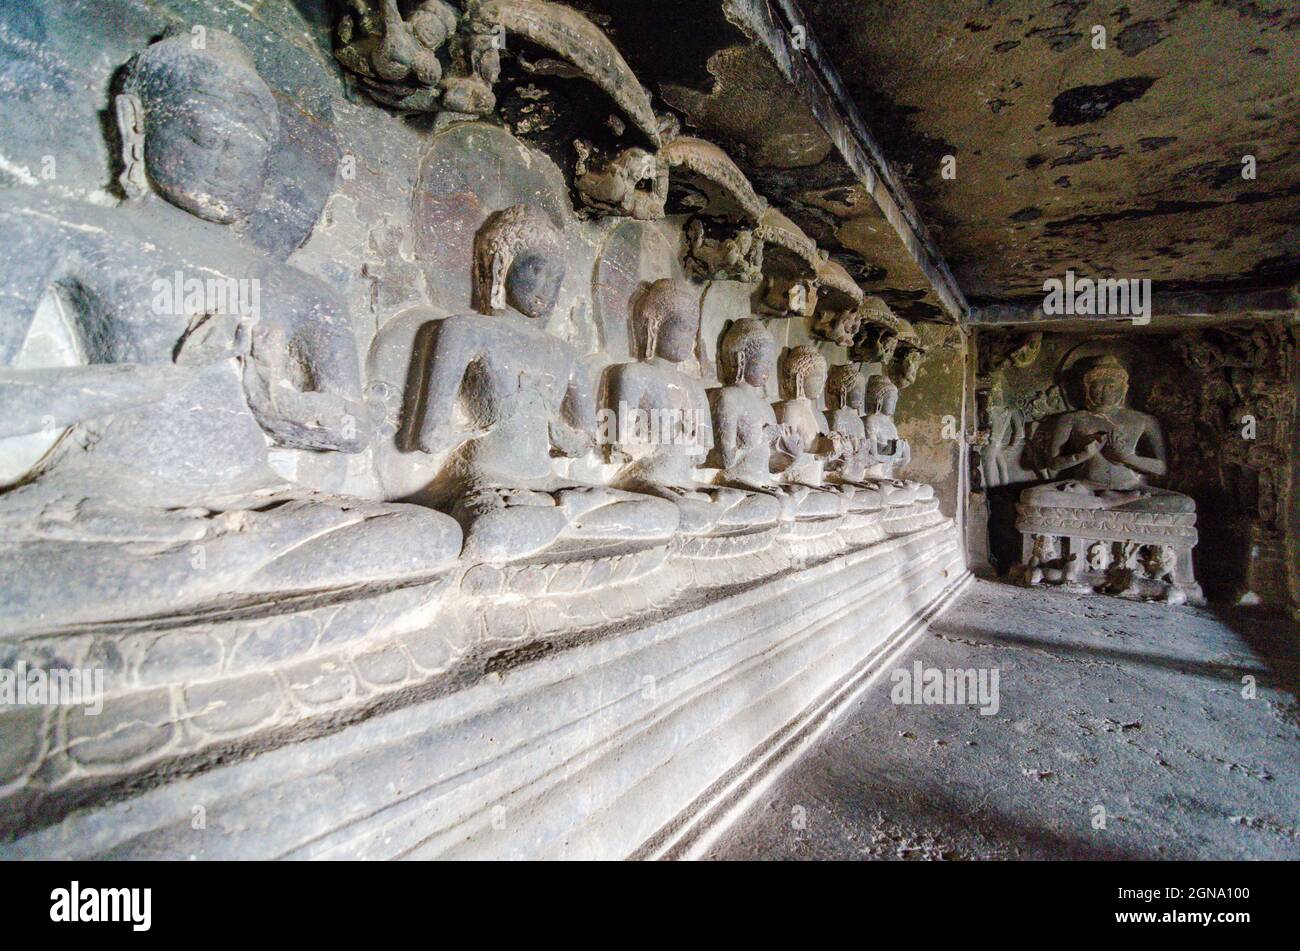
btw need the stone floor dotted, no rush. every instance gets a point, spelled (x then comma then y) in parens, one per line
(1130, 707)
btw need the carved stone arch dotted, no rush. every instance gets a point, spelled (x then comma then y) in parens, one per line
(704, 167)
(571, 35)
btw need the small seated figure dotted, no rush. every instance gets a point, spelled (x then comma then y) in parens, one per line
(846, 394)
(755, 451)
(1107, 451)
(675, 410)
(805, 373)
(1045, 565)
(500, 395)
(888, 451)
(1146, 573)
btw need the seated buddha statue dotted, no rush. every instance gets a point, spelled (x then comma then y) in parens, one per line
(1107, 451)
(887, 451)
(804, 374)
(757, 452)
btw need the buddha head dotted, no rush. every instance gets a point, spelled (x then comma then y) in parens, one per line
(748, 353)
(195, 115)
(804, 373)
(666, 321)
(846, 387)
(518, 262)
(1105, 385)
(882, 395)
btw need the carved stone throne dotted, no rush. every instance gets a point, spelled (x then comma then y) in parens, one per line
(1133, 554)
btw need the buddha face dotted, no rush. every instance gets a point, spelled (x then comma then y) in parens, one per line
(882, 396)
(858, 396)
(1105, 392)
(533, 285)
(846, 389)
(804, 374)
(210, 123)
(815, 381)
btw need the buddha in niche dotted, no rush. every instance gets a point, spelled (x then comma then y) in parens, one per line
(756, 452)
(887, 450)
(500, 395)
(197, 129)
(171, 408)
(1107, 451)
(672, 431)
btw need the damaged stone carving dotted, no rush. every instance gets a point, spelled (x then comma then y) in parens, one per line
(193, 351)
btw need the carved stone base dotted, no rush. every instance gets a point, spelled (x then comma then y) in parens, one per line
(573, 661)
(1141, 555)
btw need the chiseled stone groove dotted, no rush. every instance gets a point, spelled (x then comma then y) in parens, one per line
(324, 793)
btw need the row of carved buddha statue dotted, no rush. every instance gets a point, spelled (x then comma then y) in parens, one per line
(447, 59)
(155, 428)
(501, 397)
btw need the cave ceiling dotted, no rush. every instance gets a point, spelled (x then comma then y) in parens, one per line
(1122, 162)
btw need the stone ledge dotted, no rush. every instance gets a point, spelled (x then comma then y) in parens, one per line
(588, 750)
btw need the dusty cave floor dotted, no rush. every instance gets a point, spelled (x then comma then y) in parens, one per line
(1103, 702)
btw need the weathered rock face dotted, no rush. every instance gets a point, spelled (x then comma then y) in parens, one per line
(1116, 135)
(347, 372)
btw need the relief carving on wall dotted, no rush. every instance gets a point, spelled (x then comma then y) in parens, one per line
(249, 526)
